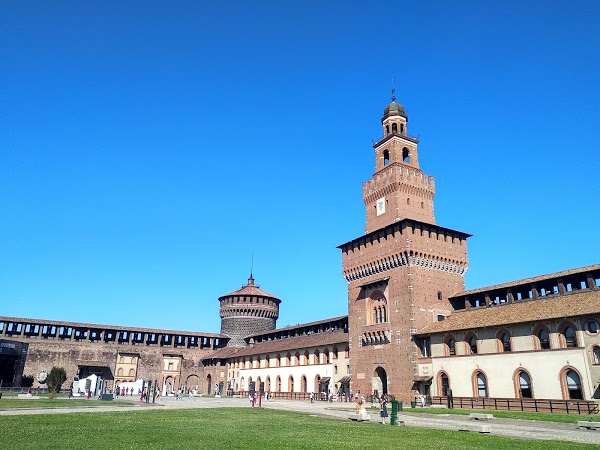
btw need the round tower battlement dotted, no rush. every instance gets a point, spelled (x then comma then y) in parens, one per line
(247, 311)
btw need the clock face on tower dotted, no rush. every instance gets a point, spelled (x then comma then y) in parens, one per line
(381, 206)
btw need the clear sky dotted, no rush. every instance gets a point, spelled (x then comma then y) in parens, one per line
(149, 149)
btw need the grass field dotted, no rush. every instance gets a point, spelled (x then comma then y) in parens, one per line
(234, 428)
(545, 417)
(16, 403)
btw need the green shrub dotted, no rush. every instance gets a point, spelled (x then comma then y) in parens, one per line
(55, 380)
(27, 380)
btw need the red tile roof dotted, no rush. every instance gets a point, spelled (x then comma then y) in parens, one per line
(284, 345)
(536, 279)
(571, 304)
(249, 289)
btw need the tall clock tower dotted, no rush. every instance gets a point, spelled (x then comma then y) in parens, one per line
(401, 272)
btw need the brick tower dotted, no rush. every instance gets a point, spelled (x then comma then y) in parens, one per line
(401, 272)
(247, 311)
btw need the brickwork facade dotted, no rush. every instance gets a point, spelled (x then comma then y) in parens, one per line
(110, 352)
(402, 271)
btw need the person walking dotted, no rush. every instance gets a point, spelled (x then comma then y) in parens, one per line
(383, 408)
(359, 402)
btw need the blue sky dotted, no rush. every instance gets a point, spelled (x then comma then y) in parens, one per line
(149, 149)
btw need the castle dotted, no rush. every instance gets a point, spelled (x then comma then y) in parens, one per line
(411, 327)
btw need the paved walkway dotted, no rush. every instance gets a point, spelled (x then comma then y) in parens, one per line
(523, 429)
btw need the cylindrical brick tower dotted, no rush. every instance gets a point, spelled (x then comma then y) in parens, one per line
(247, 311)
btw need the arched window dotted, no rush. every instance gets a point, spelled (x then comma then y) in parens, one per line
(592, 326)
(278, 360)
(306, 358)
(131, 372)
(523, 381)
(402, 128)
(386, 157)
(573, 385)
(120, 372)
(595, 355)
(568, 337)
(481, 385)
(377, 307)
(394, 128)
(443, 383)
(347, 352)
(268, 384)
(450, 346)
(471, 342)
(297, 359)
(291, 384)
(317, 357)
(504, 341)
(267, 361)
(303, 384)
(335, 352)
(278, 384)
(288, 359)
(326, 356)
(542, 338)
(405, 155)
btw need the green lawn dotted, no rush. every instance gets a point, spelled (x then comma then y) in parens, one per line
(239, 428)
(546, 417)
(14, 402)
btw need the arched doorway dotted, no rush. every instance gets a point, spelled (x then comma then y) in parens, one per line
(193, 382)
(208, 383)
(169, 386)
(379, 382)
(317, 382)
(303, 384)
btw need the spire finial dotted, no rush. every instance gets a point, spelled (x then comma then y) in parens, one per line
(393, 91)
(251, 279)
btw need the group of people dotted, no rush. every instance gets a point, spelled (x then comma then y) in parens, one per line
(383, 401)
(121, 391)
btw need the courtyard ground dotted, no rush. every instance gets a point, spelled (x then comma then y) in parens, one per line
(209, 422)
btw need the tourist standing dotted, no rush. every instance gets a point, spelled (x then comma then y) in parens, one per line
(383, 408)
(359, 402)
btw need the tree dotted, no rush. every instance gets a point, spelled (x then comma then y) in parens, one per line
(27, 380)
(55, 380)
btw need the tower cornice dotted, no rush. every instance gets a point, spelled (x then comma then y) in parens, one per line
(391, 136)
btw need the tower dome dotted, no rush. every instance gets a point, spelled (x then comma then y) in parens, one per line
(247, 311)
(394, 109)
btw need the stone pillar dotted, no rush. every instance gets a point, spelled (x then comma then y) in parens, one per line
(591, 282)
(509, 296)
(534, 291)
(488, 300)
(561, 286)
